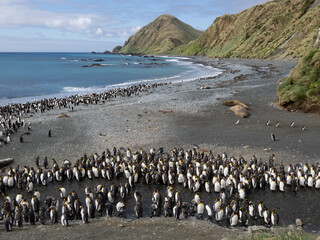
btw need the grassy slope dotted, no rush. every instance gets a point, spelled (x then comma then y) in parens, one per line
(259, 32)
(163, 34)
(274, 29)
(301, 90)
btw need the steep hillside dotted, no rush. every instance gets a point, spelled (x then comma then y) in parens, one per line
(163, 34)
(275, 28)
(301, 90)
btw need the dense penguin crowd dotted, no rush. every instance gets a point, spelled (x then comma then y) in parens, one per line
(195, 169)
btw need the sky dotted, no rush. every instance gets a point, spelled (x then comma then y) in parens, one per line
(96, 25)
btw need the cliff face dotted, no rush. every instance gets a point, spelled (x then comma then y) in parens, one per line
(274, 29)
(162, 35)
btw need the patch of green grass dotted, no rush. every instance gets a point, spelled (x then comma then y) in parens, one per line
(282, 234)
(302, 87)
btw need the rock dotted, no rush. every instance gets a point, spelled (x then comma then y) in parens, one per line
(299, 223)
(63, 115)
(120, 226)
(240, 111)
(231, 103)
(253, 229)
(246, 147)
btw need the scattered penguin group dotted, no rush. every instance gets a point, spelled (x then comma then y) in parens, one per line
(11, 115)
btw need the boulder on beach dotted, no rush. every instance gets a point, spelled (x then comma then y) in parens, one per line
(231, 103)
(240, 111)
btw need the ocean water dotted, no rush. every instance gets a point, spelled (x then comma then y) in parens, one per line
(30, 76)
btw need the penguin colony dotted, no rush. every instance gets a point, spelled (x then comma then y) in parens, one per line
(11, 115)
(232, 178)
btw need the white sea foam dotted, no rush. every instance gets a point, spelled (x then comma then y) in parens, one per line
(172, 60)
(63, 58)
(82, 90)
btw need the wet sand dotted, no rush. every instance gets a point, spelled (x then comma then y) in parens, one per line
(176, 115)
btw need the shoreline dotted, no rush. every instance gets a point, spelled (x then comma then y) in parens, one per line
(177, 115)
(82, 91)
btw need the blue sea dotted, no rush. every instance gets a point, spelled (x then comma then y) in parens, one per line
(32, 76)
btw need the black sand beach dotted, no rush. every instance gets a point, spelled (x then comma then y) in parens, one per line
(175, 115)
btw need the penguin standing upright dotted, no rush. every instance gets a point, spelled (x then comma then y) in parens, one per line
(274, 218)
(84, 214)
(138, 209)
(176, 211)
(49, 133)
(32, 217)
(8, 223)
(109, 209)
(64, 220)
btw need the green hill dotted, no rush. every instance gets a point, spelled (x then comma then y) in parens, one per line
(301, 90)
(276, 28)
(163, 34)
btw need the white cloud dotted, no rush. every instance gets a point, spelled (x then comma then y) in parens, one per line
(135, 28)
(18, 14)
(123, 34)
(99, 32)
(109, 35)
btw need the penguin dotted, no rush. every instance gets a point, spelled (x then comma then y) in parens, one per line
(37, 194)
(32, 217)
(63, 193)
(273, 137)
(84, 215)
(216, 205)
(49, 133)
(292, 124)
(266, 216)
(234, 219)
(167, 207)
(303, 128)
(274, 218)
(238, 121)
(8, 223)
(42, 216)
(200, 210)
(209, 211)
(109, 209)
(64, 220)
(281, 186)
(53, 215)
(277, 124)
(219, 214)
(261, 207)
(91, 210)
(138, 209)
(120, 208)
(137, 196)
(38, 161)
(273, 185)
(19, 198)
(176, 211)
(268, 123)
